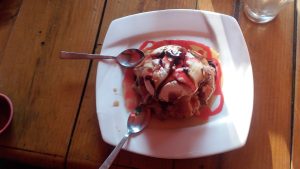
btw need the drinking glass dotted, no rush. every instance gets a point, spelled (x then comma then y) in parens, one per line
(262, 11)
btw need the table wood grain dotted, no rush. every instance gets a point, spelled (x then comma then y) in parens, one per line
(55, 123)
(45, 90)
(296, 127)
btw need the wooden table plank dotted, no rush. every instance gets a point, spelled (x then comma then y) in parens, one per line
(270, 46)
(296, 132)
(88, 149)
(43, 88)
(226, 7)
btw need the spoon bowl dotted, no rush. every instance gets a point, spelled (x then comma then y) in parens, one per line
(137, 121)
(129, 58)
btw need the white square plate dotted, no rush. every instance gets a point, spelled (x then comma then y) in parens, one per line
(225, 131)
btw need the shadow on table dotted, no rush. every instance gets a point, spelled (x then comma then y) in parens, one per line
(7, 164)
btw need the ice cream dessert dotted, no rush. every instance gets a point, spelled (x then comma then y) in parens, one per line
(177, 78)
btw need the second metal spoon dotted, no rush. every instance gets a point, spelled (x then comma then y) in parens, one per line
(137, 121)
(128, 58)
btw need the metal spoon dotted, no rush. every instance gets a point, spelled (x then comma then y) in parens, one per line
(137, 121)
(128, 58)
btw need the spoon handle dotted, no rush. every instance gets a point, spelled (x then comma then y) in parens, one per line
(107, 163)
(76, 55)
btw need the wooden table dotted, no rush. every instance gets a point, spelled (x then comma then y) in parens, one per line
(55, 123)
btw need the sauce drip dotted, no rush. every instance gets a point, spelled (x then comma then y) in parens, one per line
(131, 98)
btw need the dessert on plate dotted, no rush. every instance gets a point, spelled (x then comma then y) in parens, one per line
(177, 79)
